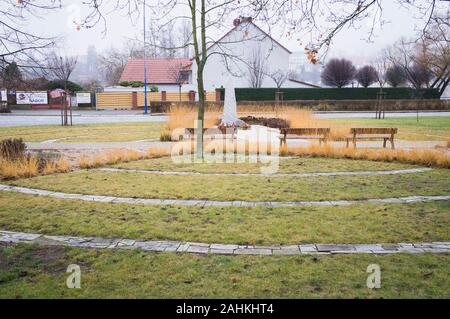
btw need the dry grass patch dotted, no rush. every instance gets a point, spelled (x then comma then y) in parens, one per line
(30, 167)
(431, 158)
(109, 158)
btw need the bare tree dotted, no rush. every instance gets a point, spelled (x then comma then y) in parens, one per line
(257, 69)
(179, 76)
(62, 68)
(280, 77)
(338, 73)
(395, 76)
(185, 36)
(26, 48)
(419, 76)
(366, 76)
(112, 63)
(433, 52)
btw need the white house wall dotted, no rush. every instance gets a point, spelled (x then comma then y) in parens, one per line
(234, 53)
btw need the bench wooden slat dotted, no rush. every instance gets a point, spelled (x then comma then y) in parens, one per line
(374, 130)
(367, 133)
(318, 133)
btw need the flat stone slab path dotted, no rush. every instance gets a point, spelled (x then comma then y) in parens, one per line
(206, 203)
(223, 249)
(390, 172)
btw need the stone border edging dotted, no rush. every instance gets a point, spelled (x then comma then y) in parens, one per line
(206, 203)
(391, 172)
(224, 249)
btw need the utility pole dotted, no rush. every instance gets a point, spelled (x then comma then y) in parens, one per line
(145, 65)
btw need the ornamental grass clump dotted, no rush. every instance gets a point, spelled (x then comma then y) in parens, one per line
(425, 157)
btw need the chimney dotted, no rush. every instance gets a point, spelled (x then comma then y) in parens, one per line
(246, 19)
(238, 21)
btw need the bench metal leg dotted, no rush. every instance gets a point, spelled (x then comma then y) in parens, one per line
(354, 143)
(392, 144)
(385, 142)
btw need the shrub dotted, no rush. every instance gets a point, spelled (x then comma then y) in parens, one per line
(137, 84)
(165, 136)
(124, 83)
(12, 149)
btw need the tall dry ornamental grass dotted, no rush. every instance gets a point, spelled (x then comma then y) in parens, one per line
(109, 158)
(12, 149)
(184, 116)
(426, 157)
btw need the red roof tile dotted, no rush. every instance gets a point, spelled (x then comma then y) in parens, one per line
(159, 71)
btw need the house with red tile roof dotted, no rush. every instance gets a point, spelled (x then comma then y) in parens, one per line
(168, 74)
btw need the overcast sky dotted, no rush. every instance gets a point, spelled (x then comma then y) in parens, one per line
(350, 42)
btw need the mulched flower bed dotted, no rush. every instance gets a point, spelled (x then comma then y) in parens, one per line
(264, 121)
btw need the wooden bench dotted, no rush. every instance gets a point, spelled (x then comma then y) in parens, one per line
(386, 134)
(320, 134)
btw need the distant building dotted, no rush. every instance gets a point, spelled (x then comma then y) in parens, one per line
(87, 68)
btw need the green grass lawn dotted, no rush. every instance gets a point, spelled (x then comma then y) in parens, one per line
(40, 272)
(432, 128)
(295, 165)
(386, 223)
(243, 188)
(111, 132)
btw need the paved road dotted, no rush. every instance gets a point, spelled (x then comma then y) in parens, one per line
(51, 117)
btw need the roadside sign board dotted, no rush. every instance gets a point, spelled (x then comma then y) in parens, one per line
(83, 98)
(24, 97)
(4, 95)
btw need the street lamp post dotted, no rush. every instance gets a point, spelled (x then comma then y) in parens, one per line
(145, 66)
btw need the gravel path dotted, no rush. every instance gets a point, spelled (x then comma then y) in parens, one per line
(206, 203)
(223, 249)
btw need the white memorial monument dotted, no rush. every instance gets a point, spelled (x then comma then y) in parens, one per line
(230, 118)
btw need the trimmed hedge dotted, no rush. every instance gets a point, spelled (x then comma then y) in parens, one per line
(293, 94)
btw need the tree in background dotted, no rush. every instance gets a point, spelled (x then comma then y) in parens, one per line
(60, 84)
(257, 69)
(62, 68)
(395, 76)
(179, 77)
(112, 62)
(279, 77)
(419, 76)
(338, 73)
(11, 76)
(366, 76)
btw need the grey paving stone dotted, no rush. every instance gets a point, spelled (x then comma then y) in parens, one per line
(197, 249)
(390, 246)
(25, 236)
(183, 248)
(368, 248)
(287, 250)
(307, 248)
(222, 251)
(335, 248)
(436, 250)
(126, 242)
(224, 246)
(252, 251)
(411, 250)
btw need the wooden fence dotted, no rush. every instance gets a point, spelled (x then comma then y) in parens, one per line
(135, 100)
